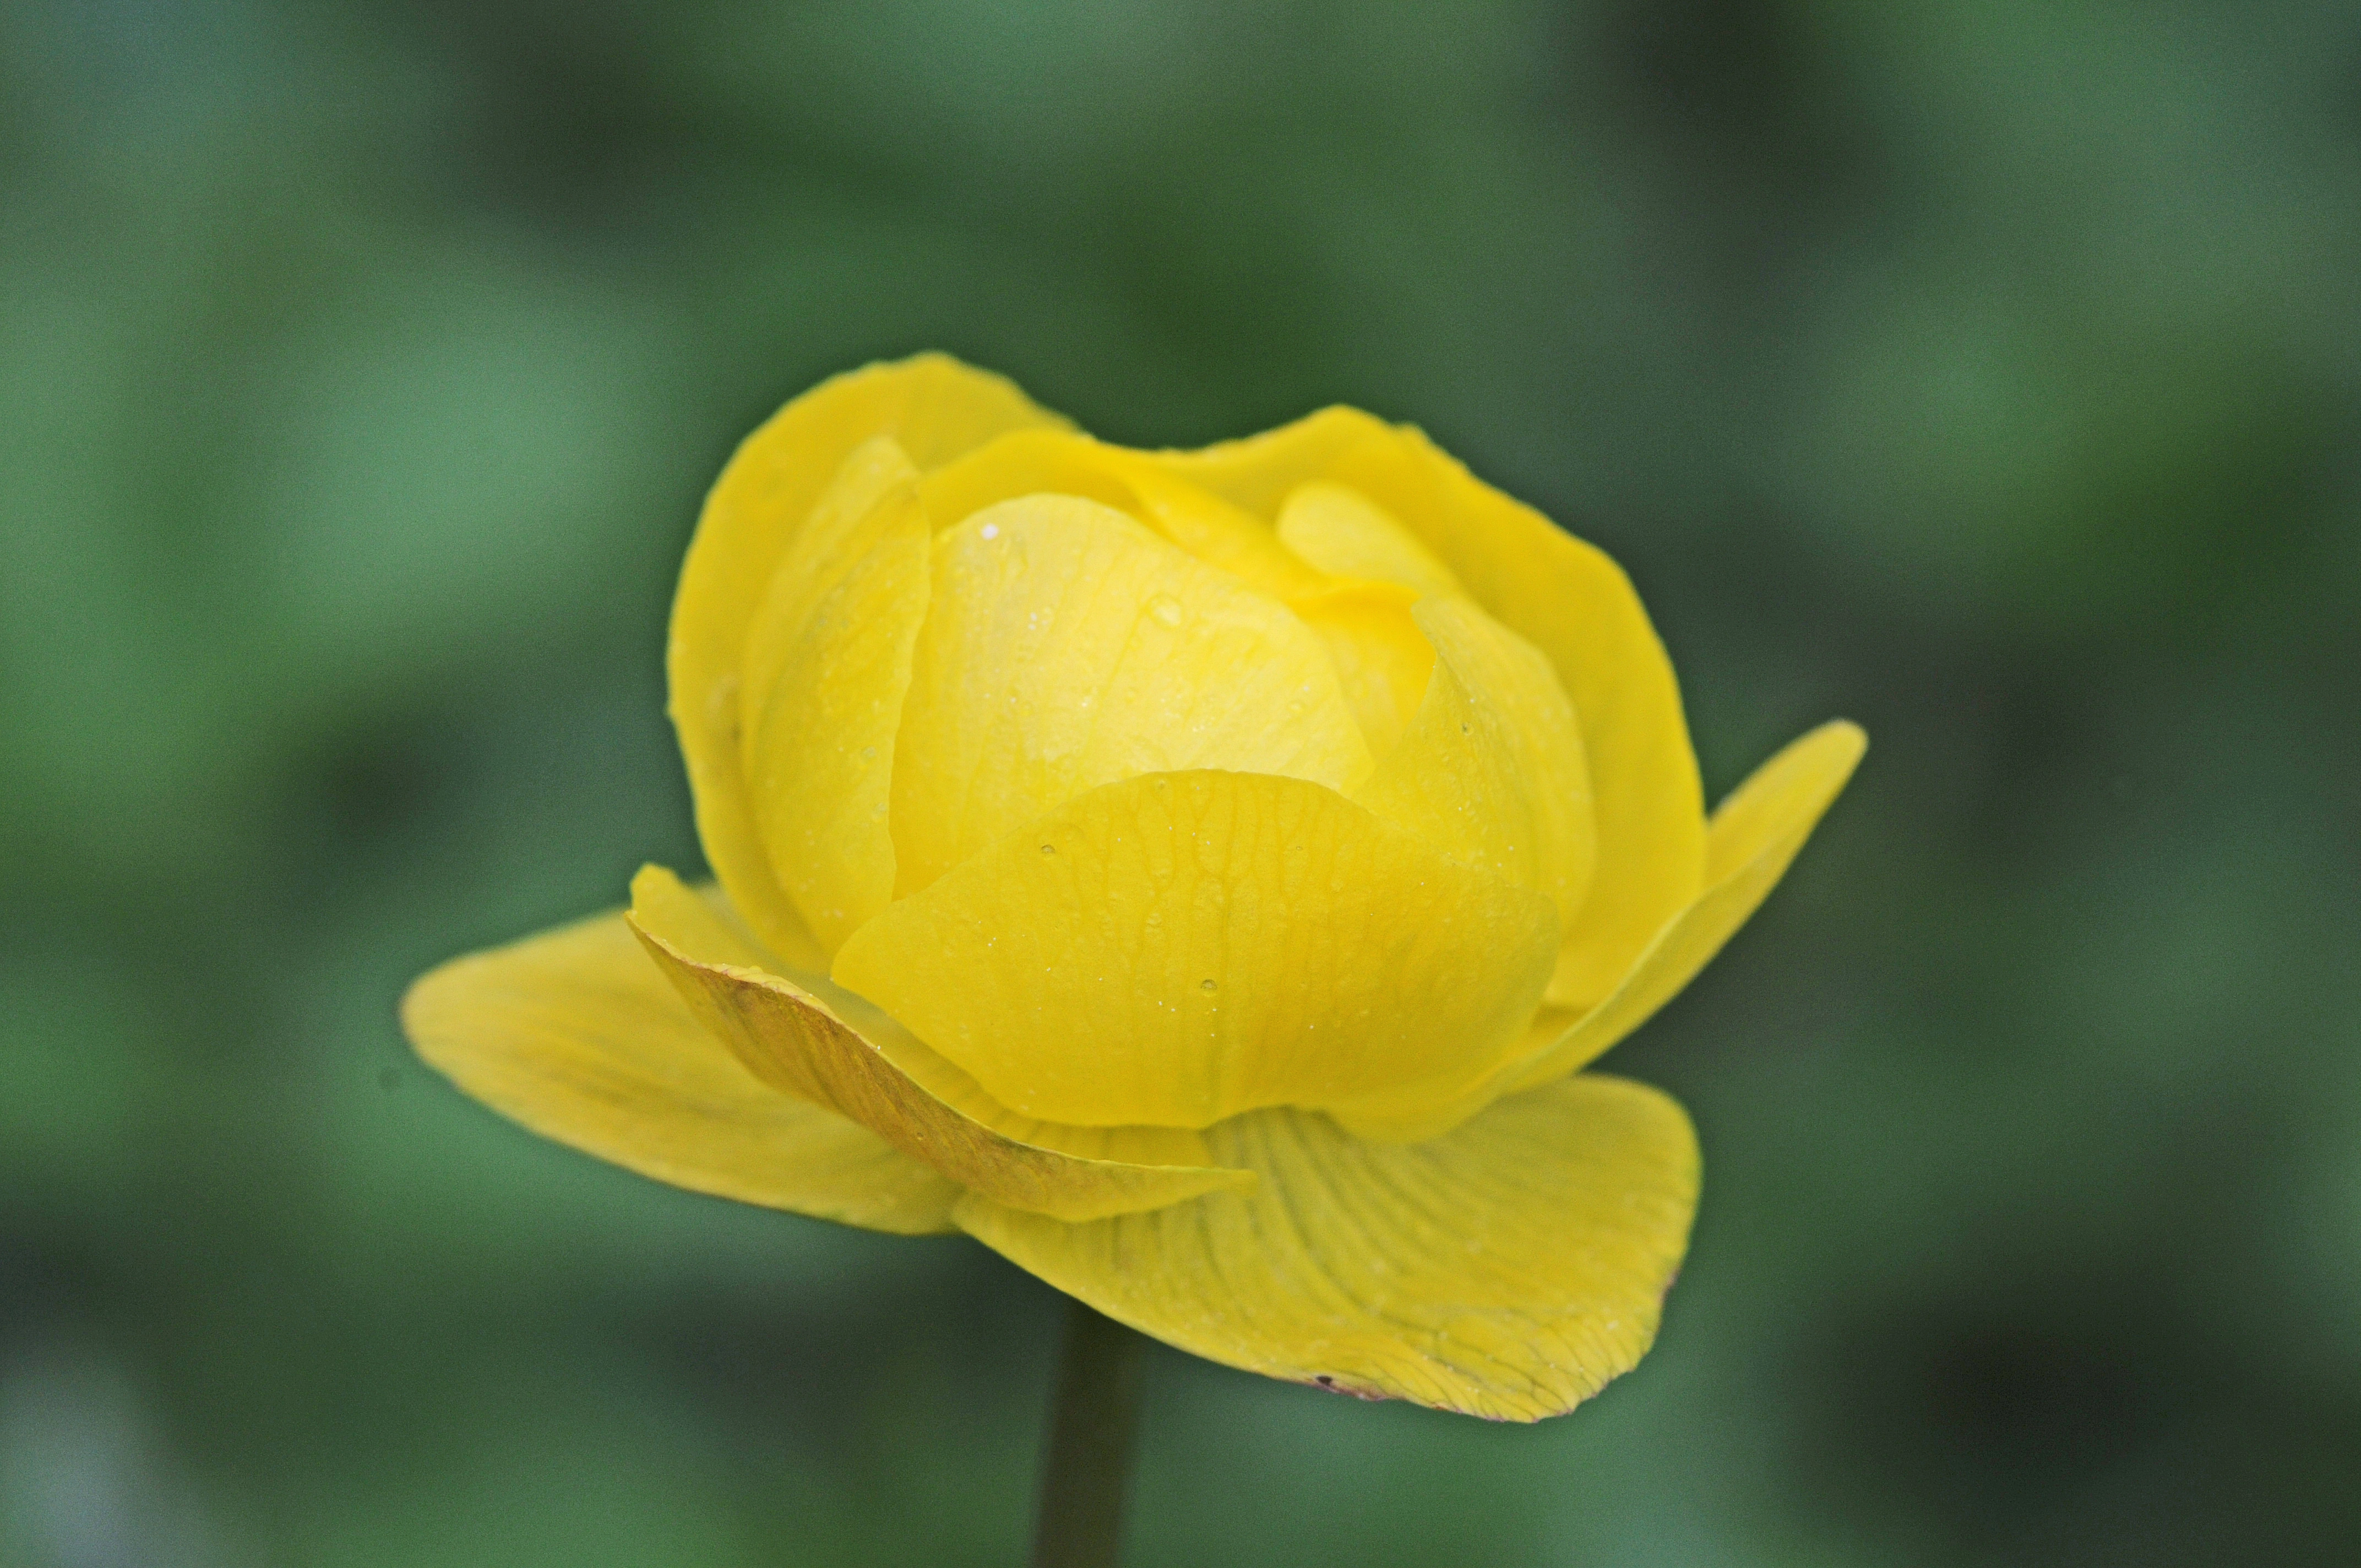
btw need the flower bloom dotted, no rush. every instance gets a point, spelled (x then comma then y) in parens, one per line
(1199, 876)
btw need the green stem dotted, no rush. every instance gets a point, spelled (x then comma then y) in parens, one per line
(1089, 1454)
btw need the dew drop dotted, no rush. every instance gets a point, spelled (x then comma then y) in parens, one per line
(990, 530)
(1048, 849)
(1167, 612)
(1208, 985)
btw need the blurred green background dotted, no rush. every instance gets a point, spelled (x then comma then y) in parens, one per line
(1983, 371)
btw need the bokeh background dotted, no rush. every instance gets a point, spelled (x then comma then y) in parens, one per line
(1983, 371)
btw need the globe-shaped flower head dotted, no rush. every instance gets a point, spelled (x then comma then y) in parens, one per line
(1199, 876)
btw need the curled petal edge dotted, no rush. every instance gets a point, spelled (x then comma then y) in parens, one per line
(795, 1040)
(573, 1035)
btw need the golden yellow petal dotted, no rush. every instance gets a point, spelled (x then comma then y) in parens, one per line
(1507, 1270)
(1756, 835)
(1490, 773)
(1066, 647)
(1341, 531)
(825, 668)
(934, 409)
(577, 1035)
(1176, 949)
(1574, 604)
(797, 1040)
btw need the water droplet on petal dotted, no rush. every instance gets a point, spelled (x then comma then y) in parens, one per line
(1166, 610)
(1208, 985)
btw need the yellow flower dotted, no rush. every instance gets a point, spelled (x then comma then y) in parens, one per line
(1199, 876)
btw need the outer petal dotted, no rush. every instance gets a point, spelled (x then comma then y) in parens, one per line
(1490, 773)
(1507, 1270)
(1576, 605)
(1179, 948)
(794, 1039)
(575, 1035)
(825, 668)
(934, 408)
(1067, 647)
(1756, 834)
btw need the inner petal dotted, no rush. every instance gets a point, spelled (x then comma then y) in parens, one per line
(1382, 658)
(1174, 949)
(1066, 647)
(1341, 531)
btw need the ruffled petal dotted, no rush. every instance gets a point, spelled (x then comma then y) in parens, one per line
(1507, 1270)
(798, 1040)
(577, 1035)
(1756, 834)
(1177, 948)
(1066, 647)
(934, 408)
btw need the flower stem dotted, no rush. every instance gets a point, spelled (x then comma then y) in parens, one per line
(1088, 1459)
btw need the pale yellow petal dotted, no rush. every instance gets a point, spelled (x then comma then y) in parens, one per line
(1341, 531)
(934, 409)
(1756, 835)
(1574, 604)
(1507, 1270)
(825, 668)
(797, 1040)
(1490, 773)
(1177, 948)
(577, 1035)
(1067, 647)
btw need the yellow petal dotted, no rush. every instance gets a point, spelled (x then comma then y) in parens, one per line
(1256, 474)
(1177, 948)
(1341, 531)
(1574, 604)
(1507, 1270)
(1382, 659)
(1756, 834)
(797, 1040)
(577, 1035)
(1066, 647)
(1049, 461)
(934, 408)
(825, 668)
(1490, 773)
